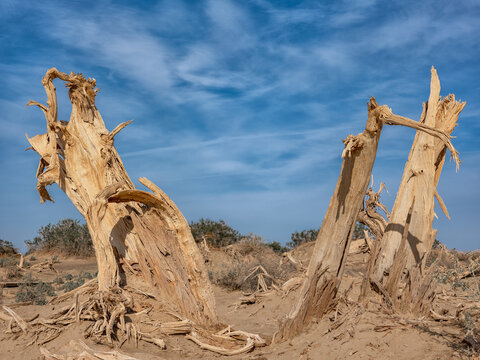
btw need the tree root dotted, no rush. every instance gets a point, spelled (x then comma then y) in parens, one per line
(251, 341)
(113, 322)
(84, 352)
(89, 286)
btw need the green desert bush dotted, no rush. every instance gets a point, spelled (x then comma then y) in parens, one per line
(34, 292)
(68, 237)
(358, 232)
(302, 237)
(305, 236)
(217, 233)
(277, 247)
(7, 248)
(69, 282)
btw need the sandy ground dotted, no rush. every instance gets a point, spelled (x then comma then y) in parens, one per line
(351, 331)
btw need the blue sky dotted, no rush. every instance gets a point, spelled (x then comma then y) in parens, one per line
(240, 106)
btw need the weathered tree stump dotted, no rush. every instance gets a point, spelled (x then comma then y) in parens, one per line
(326, 266)
(419, 182)
(136, 234)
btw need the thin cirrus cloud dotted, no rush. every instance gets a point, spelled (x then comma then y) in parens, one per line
(240, 107)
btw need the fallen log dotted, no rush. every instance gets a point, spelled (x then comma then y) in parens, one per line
(13, 284)
(470, 272)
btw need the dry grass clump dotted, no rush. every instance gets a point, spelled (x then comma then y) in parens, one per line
(8, 268)
(459, 270)
(231, 266)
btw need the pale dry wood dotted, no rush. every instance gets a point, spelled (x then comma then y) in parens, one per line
(21, 323)
(248, 300)
(333, 241)
(420, 179)
(419, 293)
(326, 266)
(81, 351)
(250, 344)
(141, 292)
(474, 271)
(370, 217)
(260, 273)
(287, 256)
(360, 246)
(156, 341)
(88, 286)
(439, 317)
(399, 264)
(291, 285)
(24, 303)
(46, 265)
(5, 317)
(228, 334)
(176, 327)
(127, 225)
(368, 240)
(442, 204)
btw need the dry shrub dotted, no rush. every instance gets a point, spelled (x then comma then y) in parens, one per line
(13, 272)
(450, 267)
(442, 258)
(250, 244)
(7, 261)
(231, 277)
(234, 277)
(232, 270)
(9, 269)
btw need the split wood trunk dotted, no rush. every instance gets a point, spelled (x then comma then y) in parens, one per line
(329, 257)
(327, 264)
(136, 234)
(419, 182)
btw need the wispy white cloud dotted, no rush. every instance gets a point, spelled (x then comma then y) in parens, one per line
(243, 101)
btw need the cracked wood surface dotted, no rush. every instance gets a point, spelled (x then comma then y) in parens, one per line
(419, 181)
(127, 225)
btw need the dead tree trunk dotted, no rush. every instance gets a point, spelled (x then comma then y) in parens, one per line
(333, 241)
(326, 266)
(139, 237)
(419, 182)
